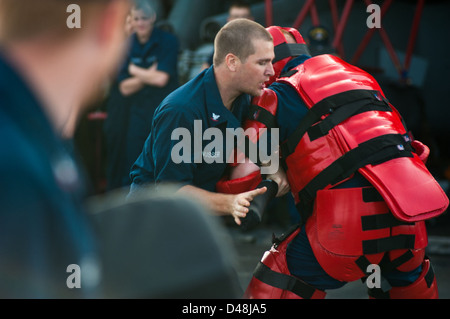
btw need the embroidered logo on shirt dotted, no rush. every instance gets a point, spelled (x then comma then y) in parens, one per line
(215, 117)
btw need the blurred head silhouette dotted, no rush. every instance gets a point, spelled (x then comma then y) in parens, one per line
(64, 65)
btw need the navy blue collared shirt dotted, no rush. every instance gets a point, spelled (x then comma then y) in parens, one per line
(161, 48)
(129, 118)
(183, 119)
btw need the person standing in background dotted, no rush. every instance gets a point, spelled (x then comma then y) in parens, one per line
(148, 75)
(238, 10)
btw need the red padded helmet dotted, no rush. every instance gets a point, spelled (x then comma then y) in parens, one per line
(284, 50)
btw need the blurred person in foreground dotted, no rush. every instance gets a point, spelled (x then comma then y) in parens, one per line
(55, 242)
(48, 71)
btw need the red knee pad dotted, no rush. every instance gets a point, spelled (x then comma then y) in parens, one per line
(272, 279)
(425, 287)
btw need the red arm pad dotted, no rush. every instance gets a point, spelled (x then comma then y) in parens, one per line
(253, 127)
(421, 150)
(239, 185)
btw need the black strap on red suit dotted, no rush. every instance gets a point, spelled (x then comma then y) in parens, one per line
(372, 152)
(260, 114)
(375, 246)
(277, 240)
(355, 102)
(378, 293)
(287, 50)
(380, 221)
(283, 281)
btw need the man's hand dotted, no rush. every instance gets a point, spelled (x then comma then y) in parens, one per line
(235, 205)
(281, 179)
(241, 202)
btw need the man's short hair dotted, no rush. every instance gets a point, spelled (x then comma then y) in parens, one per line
(237, 37)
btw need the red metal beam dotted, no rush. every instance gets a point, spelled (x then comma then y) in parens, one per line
(391, 51)
(302, 14)
(339, 25)
(335, 19)
(413, 34)
(314, 15)
(269, 13)
(368, 36)
(342, 23)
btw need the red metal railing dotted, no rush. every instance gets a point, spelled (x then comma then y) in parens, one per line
(340, 22)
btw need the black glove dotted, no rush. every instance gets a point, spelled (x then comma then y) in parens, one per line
(259, 204)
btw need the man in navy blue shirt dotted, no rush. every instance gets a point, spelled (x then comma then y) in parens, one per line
(47, 72)
(147, 76)
(217, 98)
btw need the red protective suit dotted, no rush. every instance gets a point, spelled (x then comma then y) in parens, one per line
(352, 127)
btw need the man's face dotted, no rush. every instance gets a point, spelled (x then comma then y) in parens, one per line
(142, 23)
(257, 68)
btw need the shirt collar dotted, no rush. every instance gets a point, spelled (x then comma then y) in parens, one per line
(218, 114)
(295, 62)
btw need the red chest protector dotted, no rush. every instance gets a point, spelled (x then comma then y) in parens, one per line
(351, 127)
(367, 135)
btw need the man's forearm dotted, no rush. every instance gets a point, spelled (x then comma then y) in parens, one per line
(130, 86)
(216, 202)
(236, 205)
(151, 76)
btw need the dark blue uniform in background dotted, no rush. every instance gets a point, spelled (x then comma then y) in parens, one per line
(43, 228)
(200, 100)
(129, 118)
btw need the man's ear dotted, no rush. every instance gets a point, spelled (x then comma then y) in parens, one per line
(232, 62)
